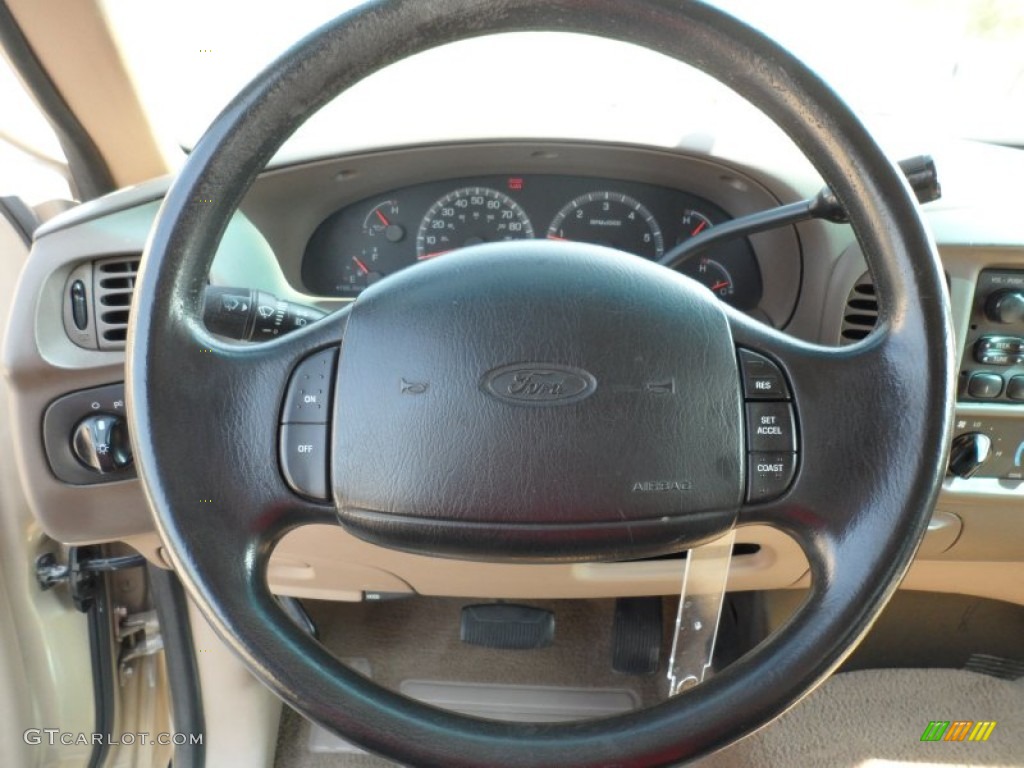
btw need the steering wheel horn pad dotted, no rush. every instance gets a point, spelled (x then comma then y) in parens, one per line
(528, 399)
(874, 416)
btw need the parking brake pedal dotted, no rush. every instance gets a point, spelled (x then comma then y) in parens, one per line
(507, 626)
(636, 635)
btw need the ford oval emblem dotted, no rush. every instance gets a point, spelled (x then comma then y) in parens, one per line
(539, 384)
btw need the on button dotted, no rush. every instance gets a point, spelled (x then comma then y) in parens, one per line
(309, 391)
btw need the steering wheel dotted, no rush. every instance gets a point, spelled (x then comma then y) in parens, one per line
(431, 365)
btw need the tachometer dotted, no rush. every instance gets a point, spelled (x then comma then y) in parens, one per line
(470, 216)
(612, 219)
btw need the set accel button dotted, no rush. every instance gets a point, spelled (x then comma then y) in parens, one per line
(770, 427)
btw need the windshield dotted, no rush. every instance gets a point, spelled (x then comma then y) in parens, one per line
(941, 67)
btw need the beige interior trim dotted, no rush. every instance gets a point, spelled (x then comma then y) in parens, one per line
(326, 563)
(45, 669)
(73, 42)
(241, 715)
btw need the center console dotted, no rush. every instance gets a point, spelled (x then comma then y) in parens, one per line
(988, 433)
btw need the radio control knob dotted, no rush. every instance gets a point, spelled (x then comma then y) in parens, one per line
(968, 453)
(1005, 307)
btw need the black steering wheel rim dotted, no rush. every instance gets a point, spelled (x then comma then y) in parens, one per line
(858, 517)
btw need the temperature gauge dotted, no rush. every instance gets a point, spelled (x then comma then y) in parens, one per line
(693, 223)
(712, 274)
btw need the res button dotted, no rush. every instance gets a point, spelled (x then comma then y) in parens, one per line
(762, 379)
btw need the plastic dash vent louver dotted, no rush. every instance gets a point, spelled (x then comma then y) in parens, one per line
(860, 315)
(113, 283)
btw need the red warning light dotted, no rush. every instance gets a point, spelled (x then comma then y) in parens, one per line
(515, 184)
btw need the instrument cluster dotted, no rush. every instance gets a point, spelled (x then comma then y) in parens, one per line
(371, 239)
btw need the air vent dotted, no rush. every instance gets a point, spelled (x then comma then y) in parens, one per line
(113, 283)
(861, 311)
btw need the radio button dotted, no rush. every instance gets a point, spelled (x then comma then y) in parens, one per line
(1015, 388)
(985, 386)
(998, 350)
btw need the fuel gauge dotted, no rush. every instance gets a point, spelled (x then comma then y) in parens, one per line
(358, 271)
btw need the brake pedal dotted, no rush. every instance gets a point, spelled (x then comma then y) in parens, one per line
(507, 626)
(995, 666)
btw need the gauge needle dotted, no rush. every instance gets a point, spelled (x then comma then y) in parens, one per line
(556, 237)
(383, 219)
(362, 267)
(698, 228)
(426, 256)
(720, 285)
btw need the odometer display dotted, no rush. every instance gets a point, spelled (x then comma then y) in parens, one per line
(469, 216)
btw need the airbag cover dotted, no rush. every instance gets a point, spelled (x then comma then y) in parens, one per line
(478, 399)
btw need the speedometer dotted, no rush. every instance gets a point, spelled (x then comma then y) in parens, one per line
(469, 216)
(612, 219)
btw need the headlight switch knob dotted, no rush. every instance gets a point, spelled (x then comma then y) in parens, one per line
(100, 441)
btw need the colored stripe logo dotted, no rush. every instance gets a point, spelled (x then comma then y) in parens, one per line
(958, 730)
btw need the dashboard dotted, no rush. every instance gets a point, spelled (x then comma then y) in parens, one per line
(364, 242)
(320, 231)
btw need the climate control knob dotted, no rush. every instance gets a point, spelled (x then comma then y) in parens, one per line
(968, 453)
(1006, 307)
(100, 441)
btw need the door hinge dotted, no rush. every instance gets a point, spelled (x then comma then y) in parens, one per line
(139, 635)
(79, 573)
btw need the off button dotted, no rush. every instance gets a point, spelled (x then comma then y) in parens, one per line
(304, 458)
(770, 427)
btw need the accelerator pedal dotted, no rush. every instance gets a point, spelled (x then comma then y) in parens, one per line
(636, 635)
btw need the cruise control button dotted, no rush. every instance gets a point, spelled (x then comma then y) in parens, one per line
(985, 386)
(309, 391)
(762, 379)
(769, 475)
(304, 458)
(770, 427)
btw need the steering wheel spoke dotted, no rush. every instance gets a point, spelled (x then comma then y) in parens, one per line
(807, 430)
(224, 404)
(861, 443)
